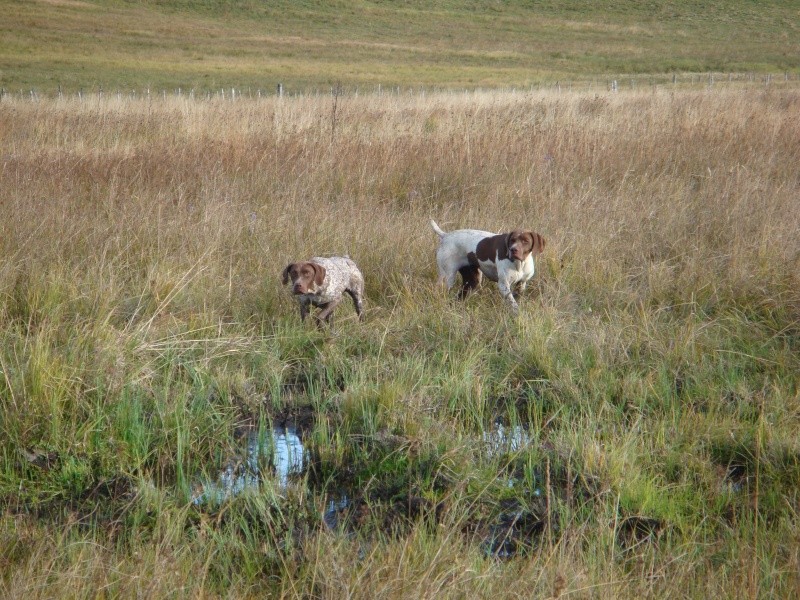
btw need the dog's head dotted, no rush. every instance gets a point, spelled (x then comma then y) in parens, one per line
(306, 277)
(522, 243)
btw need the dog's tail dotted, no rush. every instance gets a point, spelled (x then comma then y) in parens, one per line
(437, 229)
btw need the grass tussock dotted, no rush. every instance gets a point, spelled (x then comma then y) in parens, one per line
(652, 371)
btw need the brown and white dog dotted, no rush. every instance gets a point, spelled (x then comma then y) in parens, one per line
(506, 258)
(321, 282)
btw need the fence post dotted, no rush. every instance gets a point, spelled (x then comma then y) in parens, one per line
(280, 90)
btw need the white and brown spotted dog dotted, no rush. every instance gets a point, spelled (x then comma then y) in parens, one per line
(506, 258)
(322, 282)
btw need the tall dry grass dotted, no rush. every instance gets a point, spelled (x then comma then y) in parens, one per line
(672, 198)
(141, 244)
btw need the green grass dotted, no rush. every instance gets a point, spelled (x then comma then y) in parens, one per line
(654, 366)
(108, 45)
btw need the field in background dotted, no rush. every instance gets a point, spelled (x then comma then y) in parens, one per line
(654, 365)
(209, 45)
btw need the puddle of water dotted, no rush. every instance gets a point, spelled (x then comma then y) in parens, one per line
(504, 440)
(289, 456)
(282, 445)
(501, 440)
(332, 514)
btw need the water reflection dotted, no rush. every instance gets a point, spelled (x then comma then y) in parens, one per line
(505, 440)
(502, 440)
(289, 456)
(332, 514)
(282, 445)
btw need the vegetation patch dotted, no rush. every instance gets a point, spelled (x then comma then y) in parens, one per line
(632, 432)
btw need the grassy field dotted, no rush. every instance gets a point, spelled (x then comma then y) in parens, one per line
(652, 374)
(208, 45)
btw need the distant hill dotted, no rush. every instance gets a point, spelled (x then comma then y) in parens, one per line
(306, 44)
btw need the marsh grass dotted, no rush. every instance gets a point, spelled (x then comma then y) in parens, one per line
(653, 366)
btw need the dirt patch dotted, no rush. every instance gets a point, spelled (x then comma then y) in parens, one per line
(635, 530)
(300, 417)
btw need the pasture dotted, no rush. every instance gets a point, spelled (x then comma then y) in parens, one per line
(208, 45)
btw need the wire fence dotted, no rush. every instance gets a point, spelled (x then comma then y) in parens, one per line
(591, 84)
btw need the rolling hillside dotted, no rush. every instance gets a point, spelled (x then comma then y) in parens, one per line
(77, 44)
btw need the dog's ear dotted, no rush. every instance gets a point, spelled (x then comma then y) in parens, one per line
(503, 250)
(538, 242)
(285, 276)
(319, 273)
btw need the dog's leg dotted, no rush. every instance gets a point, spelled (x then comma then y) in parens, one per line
(356, 296)
(470, 280)
(327, 310)
(505, 291)
(448, 280)
(521, 287)
(447, 274)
